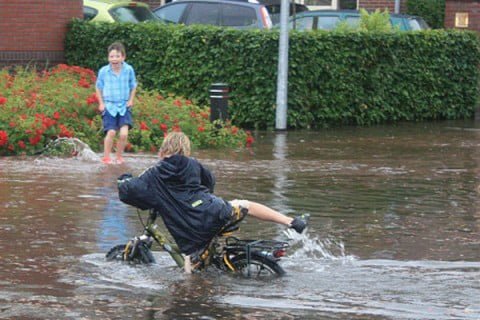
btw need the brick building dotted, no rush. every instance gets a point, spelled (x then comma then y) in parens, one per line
(462, 14)
(34, 31)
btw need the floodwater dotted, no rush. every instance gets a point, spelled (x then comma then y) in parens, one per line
(394, 231)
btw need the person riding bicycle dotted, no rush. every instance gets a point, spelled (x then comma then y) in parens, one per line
(181, 189)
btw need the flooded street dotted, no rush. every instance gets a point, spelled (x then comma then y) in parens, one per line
(394, 231)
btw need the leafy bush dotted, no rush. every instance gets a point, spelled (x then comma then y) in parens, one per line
(36, 108)
(334, 77)
(433, 11)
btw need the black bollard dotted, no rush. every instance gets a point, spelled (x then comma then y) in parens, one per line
(219, 101)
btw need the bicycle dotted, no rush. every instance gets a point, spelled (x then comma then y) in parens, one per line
(253, 258)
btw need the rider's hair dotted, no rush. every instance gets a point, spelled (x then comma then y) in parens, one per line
(117, 46)
(175, 143)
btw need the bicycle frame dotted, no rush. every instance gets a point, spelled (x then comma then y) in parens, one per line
(216, 253)
(151, 229)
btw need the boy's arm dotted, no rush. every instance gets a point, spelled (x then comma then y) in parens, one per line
(133, 86)
(101, 104)
(132, 96)
(98, 89)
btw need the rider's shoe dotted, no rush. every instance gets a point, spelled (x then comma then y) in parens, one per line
(300, 223)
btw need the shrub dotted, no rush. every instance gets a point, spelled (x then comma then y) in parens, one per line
(334, 78)
(36, 108)
(433, 11)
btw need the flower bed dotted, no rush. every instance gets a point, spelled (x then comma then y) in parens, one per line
(36, 108)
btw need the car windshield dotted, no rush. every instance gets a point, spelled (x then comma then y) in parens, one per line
(132, 14)
(418, 24)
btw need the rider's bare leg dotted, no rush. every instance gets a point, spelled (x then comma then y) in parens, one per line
(263, 212)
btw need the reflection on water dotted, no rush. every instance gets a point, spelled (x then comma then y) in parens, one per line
(394, 231)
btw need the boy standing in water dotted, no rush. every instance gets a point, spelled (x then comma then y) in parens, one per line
(116, 87)
(181, 189)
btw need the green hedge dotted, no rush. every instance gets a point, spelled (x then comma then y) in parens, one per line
(334, 78)
(433, 11)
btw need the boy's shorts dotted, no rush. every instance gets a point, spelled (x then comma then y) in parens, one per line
(115, 123)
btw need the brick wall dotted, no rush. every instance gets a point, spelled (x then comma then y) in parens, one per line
(154, 3)
(472, 7)
(382, 4)
(34, 31)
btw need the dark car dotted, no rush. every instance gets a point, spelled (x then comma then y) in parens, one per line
(329, 19)
(225, 13)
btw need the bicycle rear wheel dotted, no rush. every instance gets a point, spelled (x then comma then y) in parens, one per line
(142, 254)
(260, 266)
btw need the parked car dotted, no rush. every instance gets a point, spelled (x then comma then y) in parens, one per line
(225, 13)
(117, 11)
(329, 19)
(273, 8)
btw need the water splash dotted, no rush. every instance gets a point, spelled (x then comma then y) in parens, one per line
(70, 147)
(307, 246)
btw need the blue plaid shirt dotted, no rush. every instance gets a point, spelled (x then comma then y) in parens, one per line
(116, 88)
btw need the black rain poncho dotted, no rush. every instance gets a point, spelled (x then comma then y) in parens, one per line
(181, 190)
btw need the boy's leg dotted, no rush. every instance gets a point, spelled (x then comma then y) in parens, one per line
(122, 142)
(108, 144)
(263, 212)
(109, 127)
(124, 123)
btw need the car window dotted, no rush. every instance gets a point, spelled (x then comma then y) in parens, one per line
(303, 23)
(274, 11)
(417, 24)
(327, 22)
(352, 21)
(238, 16)
(131, 14)
(89, 13)
(398, 22)
(172, 13)
(203, 13)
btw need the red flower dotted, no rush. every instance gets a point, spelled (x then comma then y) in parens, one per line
(35, 140)
(234, 130)
(12, 124)
(249, 141)
(56, 115)
(64, 132)
(3, 138)
(3, 100)
(163, 127)
(166, 117)
(177, 102)
(143, 126)
(155, 121)
(83, 83)
(188, 102)
(21, 144)
(201, 129)
(92, 99)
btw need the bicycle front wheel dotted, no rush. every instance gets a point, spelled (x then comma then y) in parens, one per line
(260, 266)
(142, 254)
